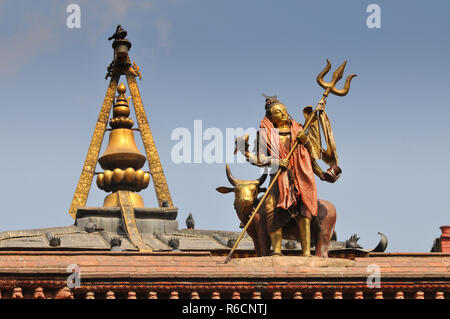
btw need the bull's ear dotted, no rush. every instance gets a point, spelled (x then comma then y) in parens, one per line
(224, 190)
(262, 190)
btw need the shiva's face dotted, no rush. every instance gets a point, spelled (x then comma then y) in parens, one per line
(279, 114)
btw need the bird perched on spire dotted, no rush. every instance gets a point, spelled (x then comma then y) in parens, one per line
(190, 222)
(119, 35)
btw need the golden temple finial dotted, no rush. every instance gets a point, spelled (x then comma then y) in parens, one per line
(121, 89)
(121, 110)
(122, 161)
(121, 65)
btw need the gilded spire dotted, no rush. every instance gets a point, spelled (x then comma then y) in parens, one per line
(121, 110)
(122, 161)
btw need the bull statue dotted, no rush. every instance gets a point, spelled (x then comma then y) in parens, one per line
(245, 201)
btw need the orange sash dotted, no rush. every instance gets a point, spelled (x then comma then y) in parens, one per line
(299, 164)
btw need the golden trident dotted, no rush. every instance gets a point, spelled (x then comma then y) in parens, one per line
(329, 88)
(337, 75)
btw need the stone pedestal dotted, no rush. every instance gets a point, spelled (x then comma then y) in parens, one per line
(291, 261)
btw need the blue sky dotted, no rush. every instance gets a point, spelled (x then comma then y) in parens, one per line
(210, 61)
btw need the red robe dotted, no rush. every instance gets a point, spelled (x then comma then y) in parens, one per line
(299, 164)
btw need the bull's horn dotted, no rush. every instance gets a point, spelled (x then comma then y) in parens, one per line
(263, 177)
(230, 177)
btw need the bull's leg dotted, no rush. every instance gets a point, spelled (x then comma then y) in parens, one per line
(256, 243)
(320, 248)
(276, 238)
(304, 225)
(318, 236)
(322, 245)
(326, 227)
(325, 240)
(265, 245)
(263, 236)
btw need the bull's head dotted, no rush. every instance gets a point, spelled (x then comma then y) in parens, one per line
(245, 193)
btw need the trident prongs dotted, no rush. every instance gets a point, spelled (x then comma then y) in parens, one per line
(337, 75)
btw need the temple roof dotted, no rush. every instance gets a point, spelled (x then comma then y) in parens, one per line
(96, 228)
